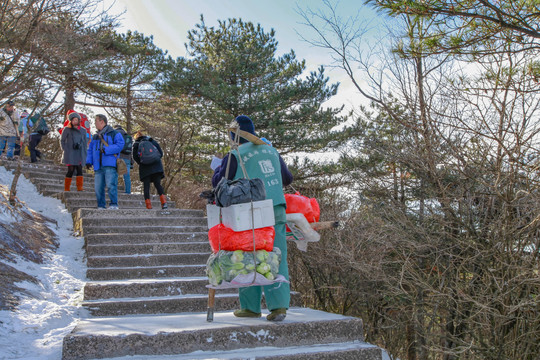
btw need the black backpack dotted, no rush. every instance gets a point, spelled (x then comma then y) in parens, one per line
(128, 144)
(148, 153)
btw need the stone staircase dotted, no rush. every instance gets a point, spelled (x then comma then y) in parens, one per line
(146, 290)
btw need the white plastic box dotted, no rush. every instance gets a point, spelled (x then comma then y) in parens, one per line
(239, 217)
(212, 215)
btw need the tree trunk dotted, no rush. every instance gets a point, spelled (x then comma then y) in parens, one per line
(13, 189)
(129, 107)
(411, 340)
(69, 100)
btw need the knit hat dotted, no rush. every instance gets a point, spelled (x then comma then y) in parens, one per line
(74, 115)
(246, 125)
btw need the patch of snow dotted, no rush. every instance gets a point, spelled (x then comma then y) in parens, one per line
(38, 326)
(255, 352)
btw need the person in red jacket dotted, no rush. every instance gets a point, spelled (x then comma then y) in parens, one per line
(84, 123)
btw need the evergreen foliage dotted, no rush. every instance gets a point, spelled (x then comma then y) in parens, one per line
(233, 69)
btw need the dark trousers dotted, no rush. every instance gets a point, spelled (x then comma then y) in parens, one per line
(147, 180)
(74, 168)
(35, 139)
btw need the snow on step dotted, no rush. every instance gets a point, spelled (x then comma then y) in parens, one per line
(354, 350)
(189, 332)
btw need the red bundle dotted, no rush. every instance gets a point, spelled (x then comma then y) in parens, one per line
(224, 238)
(297, 203)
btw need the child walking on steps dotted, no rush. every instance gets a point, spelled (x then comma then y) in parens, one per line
(147, 153)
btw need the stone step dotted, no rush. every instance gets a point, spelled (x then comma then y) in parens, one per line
(40, 182)
(50, 172)
(88, 230)
(39, 166)
(353, 350)
(26, 160)
(125, 213)
(148, 260)
(58, 186)
(53, 190)
(67, 196)
(74, 205)
(142, 221)
(149, 272)
(143, 288)
(144, 248)
(169, 304)
(53, 175)
(186, 333)
(160, 304)
(151, 238)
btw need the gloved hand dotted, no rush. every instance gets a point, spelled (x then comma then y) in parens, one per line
(89, 166)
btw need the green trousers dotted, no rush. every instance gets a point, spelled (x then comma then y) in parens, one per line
(277, 295)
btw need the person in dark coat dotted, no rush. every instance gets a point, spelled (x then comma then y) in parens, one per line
(150, 173)
(74, 146)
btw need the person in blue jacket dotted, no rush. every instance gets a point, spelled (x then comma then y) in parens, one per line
(102, 152)
(264, 162)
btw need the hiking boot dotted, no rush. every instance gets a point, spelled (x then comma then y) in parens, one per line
(148, 203)
(163, 200)
(79, 180)
(113, 207)
(246, 313)
(67, 184)
(277, 315)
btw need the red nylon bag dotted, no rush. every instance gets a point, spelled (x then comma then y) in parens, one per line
(316, 209)
(240, 240)
(297, 203)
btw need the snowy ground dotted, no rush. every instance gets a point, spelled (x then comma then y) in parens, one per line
(37, 328)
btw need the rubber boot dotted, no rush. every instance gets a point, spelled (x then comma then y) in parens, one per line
(246, 313)
(277, 315)
(80, 181)
(163, 199)
(67, 184)
(148, 203)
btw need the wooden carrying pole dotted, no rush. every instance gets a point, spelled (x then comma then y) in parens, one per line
(211, 302)
(244, 134)
(324, 225)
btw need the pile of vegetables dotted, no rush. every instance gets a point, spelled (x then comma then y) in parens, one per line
(226, 265)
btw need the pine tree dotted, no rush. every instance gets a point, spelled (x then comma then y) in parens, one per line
(234, 69)
(128, 77)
